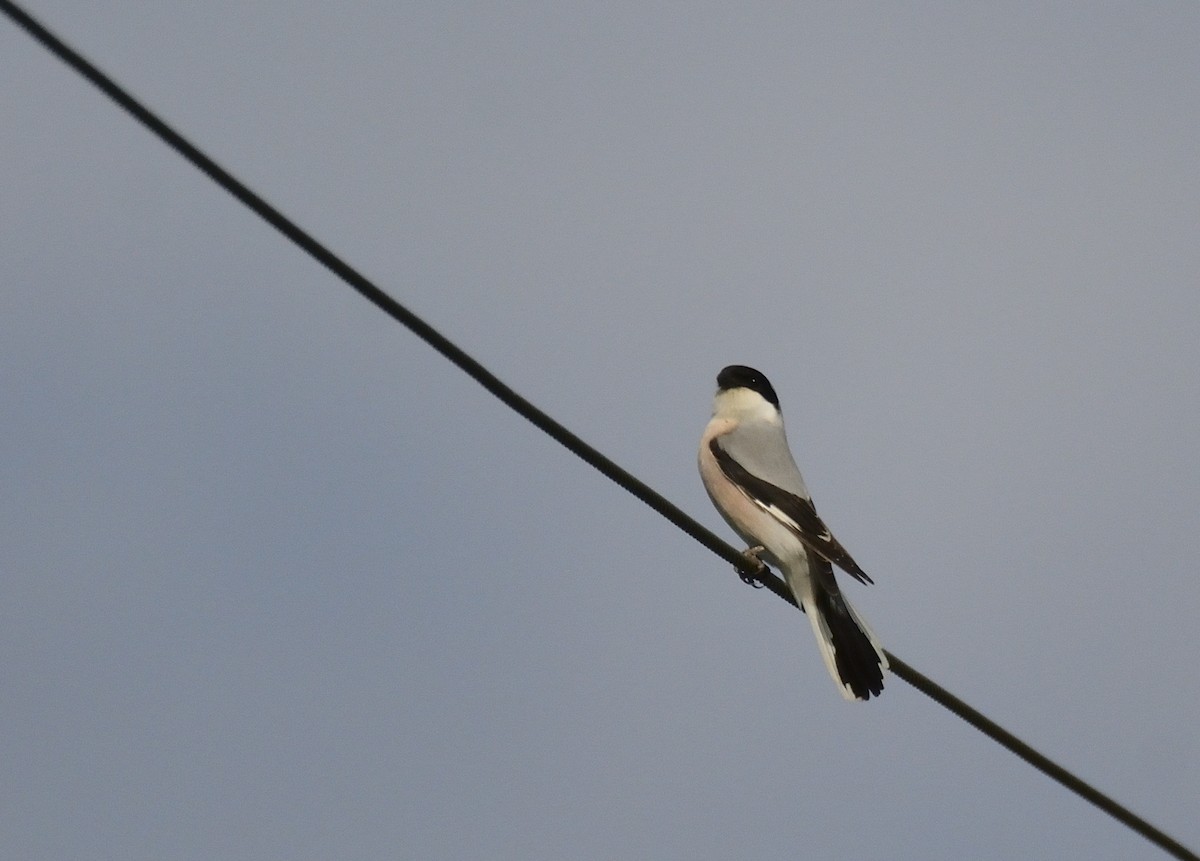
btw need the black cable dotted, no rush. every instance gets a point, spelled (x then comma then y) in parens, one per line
(1002, 736)
(749, 571)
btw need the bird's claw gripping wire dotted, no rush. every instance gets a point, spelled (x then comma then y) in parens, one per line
(760, 571)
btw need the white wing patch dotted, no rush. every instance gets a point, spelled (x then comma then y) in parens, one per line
(776, 512)
(779, 514)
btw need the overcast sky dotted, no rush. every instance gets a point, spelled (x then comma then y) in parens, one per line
(277, 581)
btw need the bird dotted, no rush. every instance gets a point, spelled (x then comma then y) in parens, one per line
(752, 479)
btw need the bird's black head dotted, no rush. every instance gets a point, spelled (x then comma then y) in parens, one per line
(741, 377)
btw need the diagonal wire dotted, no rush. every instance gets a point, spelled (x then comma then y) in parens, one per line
(748, 570)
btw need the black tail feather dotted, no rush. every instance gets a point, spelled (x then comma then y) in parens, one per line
(858, 664)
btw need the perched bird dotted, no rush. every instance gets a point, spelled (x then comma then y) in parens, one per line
(754, 483)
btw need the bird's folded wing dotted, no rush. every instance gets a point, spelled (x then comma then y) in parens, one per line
(795, 512)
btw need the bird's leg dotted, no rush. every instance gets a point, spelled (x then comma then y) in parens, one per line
(751, 555)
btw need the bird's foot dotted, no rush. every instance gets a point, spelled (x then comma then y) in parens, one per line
(760, 568)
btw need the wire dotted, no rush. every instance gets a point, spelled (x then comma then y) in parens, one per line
(1002, 736)
(748, 570)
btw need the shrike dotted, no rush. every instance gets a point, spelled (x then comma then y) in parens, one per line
(753, 481)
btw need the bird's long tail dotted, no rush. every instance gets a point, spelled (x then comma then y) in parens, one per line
(852, 654)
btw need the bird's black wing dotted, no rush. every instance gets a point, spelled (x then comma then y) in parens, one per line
(795, 512)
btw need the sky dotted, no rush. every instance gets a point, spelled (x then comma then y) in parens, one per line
(278, 581)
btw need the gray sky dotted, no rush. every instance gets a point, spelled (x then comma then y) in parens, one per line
(279, 582)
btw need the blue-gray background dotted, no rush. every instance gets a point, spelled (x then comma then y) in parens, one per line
(279, 582)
